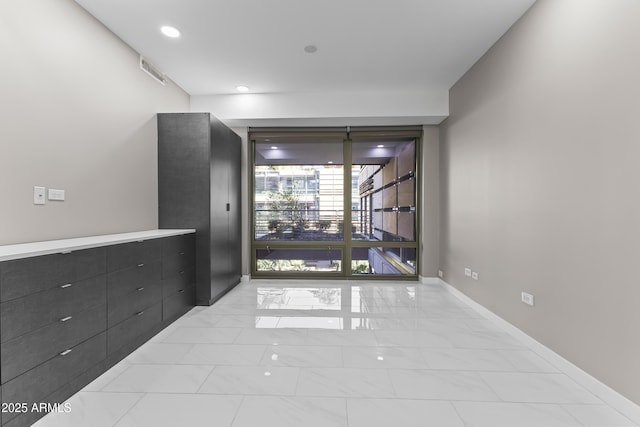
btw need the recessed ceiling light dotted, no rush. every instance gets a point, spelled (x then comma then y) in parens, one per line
(242, 88)
(274, 147)
(311, 48)
(380, 145)
(330, 162)
(170, 31)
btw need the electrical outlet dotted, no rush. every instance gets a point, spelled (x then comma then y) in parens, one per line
(467, 272)
(440, 274)
(474, 275)
(527, 299)
(38, 196)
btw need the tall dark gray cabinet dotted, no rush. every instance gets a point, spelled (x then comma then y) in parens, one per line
(199, 187)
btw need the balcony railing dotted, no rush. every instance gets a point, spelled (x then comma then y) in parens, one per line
(298, 224)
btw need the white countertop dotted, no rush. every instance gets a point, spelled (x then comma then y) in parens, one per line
(26, 250)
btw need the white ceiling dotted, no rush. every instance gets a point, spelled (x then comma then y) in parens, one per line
(364, 46)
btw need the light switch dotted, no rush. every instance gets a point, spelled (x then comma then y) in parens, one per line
(38, 196)
(56, 194)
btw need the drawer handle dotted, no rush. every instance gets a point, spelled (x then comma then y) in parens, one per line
(140, 289)
(181, 253)
(141, 265)
(181, 272)
(64, 319)
(181, 290)
(140, 313)
(68, 285)
(64, 353)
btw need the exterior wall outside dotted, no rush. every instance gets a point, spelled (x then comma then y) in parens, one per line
(78, 115)
(539, 183)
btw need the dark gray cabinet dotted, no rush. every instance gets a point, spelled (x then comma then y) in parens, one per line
(53, 319)
(65, 318)
(199, 187)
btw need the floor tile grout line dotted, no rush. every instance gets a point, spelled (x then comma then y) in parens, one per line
(237, 411)
(142, 396)
(213, 368)
(113, 379)
(455, 409)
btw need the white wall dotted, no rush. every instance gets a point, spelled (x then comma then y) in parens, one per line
(327, 108)
(540, 183)
(79, 115)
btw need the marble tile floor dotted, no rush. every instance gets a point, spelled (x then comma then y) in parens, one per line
(335, 353)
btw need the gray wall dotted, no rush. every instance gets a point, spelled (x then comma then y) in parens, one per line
(430, 209)
(246, 172)
(540, 183)
(77, 114)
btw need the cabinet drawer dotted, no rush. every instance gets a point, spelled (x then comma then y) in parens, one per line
(178, 303)
(122, 283)
(29, 350)
(134, 303)
(180, 281)
(132, 254)
(175, 264)
(178, 245)
(26, 314)
(25, 276)
(34, 386)
(128, 331)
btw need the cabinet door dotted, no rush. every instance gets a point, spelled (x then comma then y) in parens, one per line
(220, 207)
(185, 184)
(225, 209)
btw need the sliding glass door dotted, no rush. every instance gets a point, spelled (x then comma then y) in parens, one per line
(332, 203)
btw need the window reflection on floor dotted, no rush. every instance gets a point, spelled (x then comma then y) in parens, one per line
(358, 307)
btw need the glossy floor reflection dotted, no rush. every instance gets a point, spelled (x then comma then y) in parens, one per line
(347, 354)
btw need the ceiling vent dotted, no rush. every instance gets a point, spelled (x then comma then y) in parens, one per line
(148, 68)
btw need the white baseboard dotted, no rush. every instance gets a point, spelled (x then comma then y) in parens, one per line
(603, 391)
(429, 280)
(245, 278)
